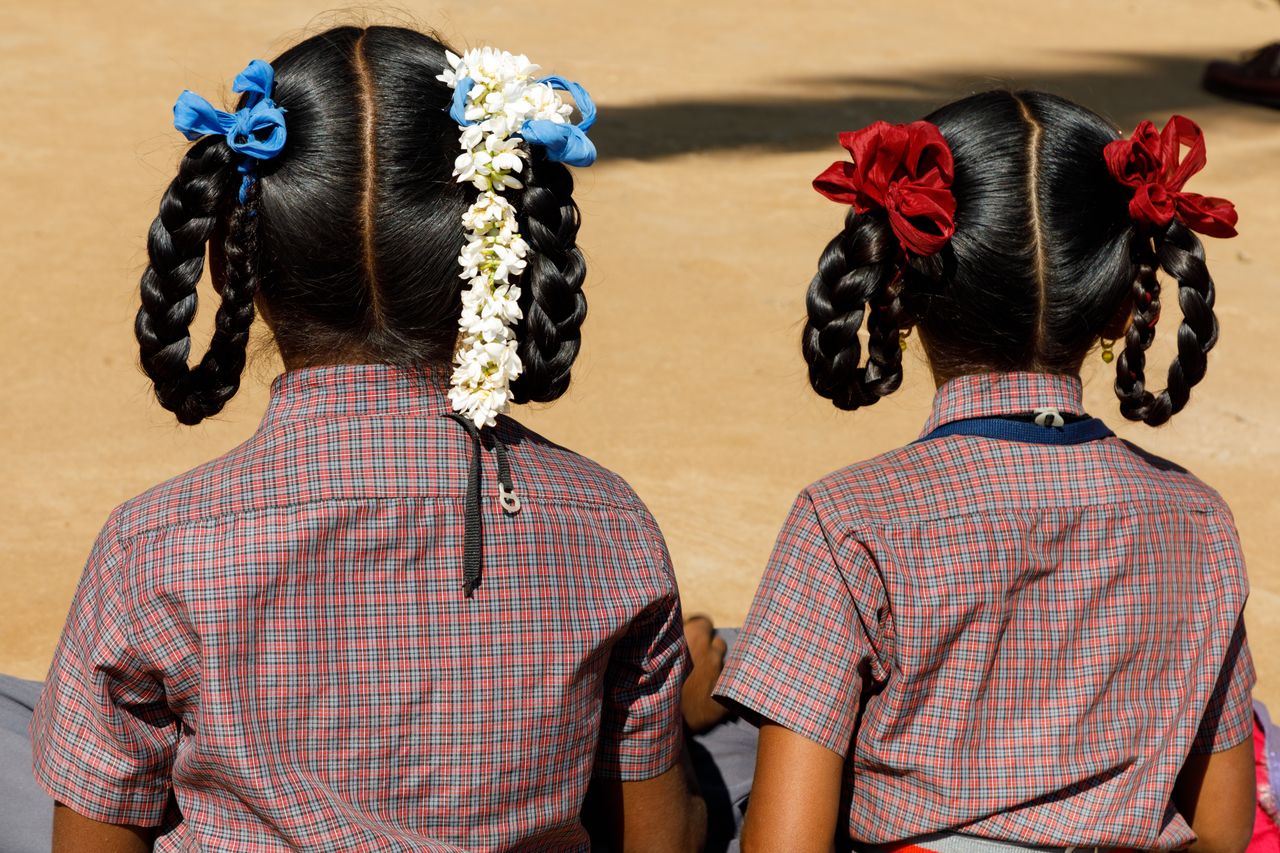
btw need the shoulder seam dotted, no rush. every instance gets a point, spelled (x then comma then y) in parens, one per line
(859, 513)
(213, 520)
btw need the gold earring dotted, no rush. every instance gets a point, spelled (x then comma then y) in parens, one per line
(903, 334)
(1107, 355)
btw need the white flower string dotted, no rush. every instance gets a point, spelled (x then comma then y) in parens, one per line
(495, 94)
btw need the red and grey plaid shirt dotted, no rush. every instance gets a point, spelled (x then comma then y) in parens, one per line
(275, 651)
(1017, 641)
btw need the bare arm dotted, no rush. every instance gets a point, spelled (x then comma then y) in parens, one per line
(666, 813)
(75, 833)
(1217, 795)
(795, 799)
(663, 814)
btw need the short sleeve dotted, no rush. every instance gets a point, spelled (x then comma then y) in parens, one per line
(1228, 718)
(803, 656)
(103, 738)
(641, 732)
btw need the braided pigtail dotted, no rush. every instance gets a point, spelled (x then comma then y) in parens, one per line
(857, 269)
(1136, 401)
(1180, 254)
(220, 369)
(551, 298)
(518, 343)
(176, 248)
(196, 202)
(1150, 163)
(902, 215)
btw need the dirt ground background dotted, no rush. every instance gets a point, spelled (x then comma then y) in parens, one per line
(700, 226)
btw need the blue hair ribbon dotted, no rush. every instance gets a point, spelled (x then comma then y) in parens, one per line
(458, 106)
(257, 131)
(563, 142)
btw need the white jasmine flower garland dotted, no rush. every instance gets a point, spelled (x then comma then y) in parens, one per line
(496, 94)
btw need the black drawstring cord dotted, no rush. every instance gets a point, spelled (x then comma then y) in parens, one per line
(473, 534)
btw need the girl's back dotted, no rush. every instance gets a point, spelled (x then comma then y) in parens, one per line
(392, 619)
(1034, 622)
(1018, 627)
(285, 628)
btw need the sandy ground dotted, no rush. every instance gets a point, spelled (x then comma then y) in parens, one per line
(700, 226)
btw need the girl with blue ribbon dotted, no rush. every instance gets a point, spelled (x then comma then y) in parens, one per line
(366, 646)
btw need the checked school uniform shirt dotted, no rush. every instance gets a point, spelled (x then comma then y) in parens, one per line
(1016, 641)
(274, 650)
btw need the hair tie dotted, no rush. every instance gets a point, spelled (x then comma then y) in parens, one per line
(497, 102)
(257, 131)
(903, 169)
(1151, 163)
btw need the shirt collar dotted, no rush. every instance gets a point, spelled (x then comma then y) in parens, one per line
(985, 395)
(354, 390)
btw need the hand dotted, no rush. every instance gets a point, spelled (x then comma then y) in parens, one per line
(701, 712)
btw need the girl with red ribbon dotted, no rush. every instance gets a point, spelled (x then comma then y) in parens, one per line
(1017, 632)
(899, 183)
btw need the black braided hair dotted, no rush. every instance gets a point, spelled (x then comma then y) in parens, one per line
(1178, 252)
(551, 296)
(223, 362)
(348, 240)
(1044, 262)
(858, 275)
(176, 250)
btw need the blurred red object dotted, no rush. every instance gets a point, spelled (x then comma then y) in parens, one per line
(1266, 746)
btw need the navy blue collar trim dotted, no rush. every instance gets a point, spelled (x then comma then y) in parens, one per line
(1015, 429)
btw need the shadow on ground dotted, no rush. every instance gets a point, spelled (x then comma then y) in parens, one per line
(1124, 87)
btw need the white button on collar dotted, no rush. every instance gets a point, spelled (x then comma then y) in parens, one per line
(1050, 417)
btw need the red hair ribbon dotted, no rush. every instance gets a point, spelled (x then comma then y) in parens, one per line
(1152, 164)
(903, 169)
